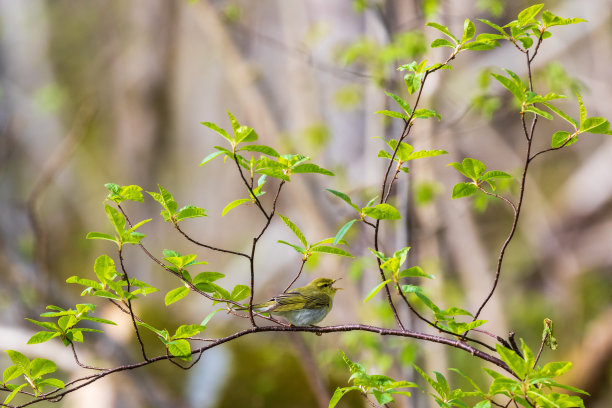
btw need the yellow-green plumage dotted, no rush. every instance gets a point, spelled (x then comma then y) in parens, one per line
(304, 306)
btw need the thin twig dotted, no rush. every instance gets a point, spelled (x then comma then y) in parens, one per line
(246, 183)
(510, 203)
(296, 276)
(535, 363)
(76, 358)
(129, 304)
(517, 209)
(209, 246)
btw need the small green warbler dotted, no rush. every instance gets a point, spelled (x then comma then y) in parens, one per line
(305, 306)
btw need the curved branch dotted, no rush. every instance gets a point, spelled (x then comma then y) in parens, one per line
(129, 305)
(60, 393)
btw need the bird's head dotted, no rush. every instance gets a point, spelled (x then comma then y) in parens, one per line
(324, 285)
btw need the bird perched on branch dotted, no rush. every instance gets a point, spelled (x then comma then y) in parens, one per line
(304, 306)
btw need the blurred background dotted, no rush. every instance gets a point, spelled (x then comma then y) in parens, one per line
(114, 91)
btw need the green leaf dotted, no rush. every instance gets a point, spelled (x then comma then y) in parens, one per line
(330, 250)
(84, 282)
(211, 156)
(464, 190)
(339, 393)
(582, 108)
(220, 292)
(209, 316)
(345, 198)
(443, 384)
(537, 111)
(261, 149)
(403, 150)
(207, 277)
(493, 174)
(444, 30)
(116, 218)
(562, 115)
(426, 113)
(161, 333)
(343, 231)
(20, 360)
(234, 204)
(555, 369)
(481, 45)
(415, 271)
(240, 292)
(393, 114)
(469, 30)
(494, 26)
(516, 89)
(10, 373)
(413, 83)
(121, 193)
(376, 290)
(298, 248)
(295, 230)
(441, 42)
(460, 327)
(420, 154)
(419, 293)
(514, 361)
(176, 295)
(382, 397)
(392, 265)
(100, 235)
(42, 336)
(53, 382)
(550, 19)
(190, 211)
(455, 311)
(245, 134)
(595, 125)
(180, 348)
(310, 168)
(437, 387)
(104, 268)
(401, 102)
(99, 320)
(525, 16)
(190, 330)
(13, 393)
(382, 212)
(41, 366)
(219, 130)
(560, 138)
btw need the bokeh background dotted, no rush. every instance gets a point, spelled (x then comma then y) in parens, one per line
(114, 91)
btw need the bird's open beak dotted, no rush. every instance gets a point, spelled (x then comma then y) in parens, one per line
(337, 281)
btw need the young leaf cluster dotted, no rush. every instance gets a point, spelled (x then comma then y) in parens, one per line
(177, 344)
(32, 371)
(307, 249)
(110, 283)
(392, 265)
(380, 386)
(476, 171)
(405, 153)
(65, 327)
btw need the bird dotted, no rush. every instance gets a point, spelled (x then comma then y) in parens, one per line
(303, 306)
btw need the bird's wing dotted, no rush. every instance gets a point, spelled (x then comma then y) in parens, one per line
(295, 300)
